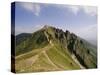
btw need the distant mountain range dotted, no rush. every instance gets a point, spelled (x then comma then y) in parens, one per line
(52, 49)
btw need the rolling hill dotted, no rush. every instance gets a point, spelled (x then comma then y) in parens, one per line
(52, 49)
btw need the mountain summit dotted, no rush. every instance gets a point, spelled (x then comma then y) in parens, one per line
(52, 49)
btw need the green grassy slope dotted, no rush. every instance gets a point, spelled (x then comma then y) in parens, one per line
(48, 58)
(51, 49)
(36, 40)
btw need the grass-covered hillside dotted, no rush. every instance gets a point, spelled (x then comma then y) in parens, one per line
(52, 49)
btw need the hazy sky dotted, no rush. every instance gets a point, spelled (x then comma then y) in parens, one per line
(81, 20)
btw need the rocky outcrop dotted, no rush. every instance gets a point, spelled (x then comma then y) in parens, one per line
(74, 44)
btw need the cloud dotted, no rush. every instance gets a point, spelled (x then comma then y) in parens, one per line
(34, 8)
(89, 10)
(73, 9)
(88, 32)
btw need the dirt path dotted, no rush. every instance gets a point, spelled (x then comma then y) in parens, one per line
(44, 52)
(41, 49)
(32, 59)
